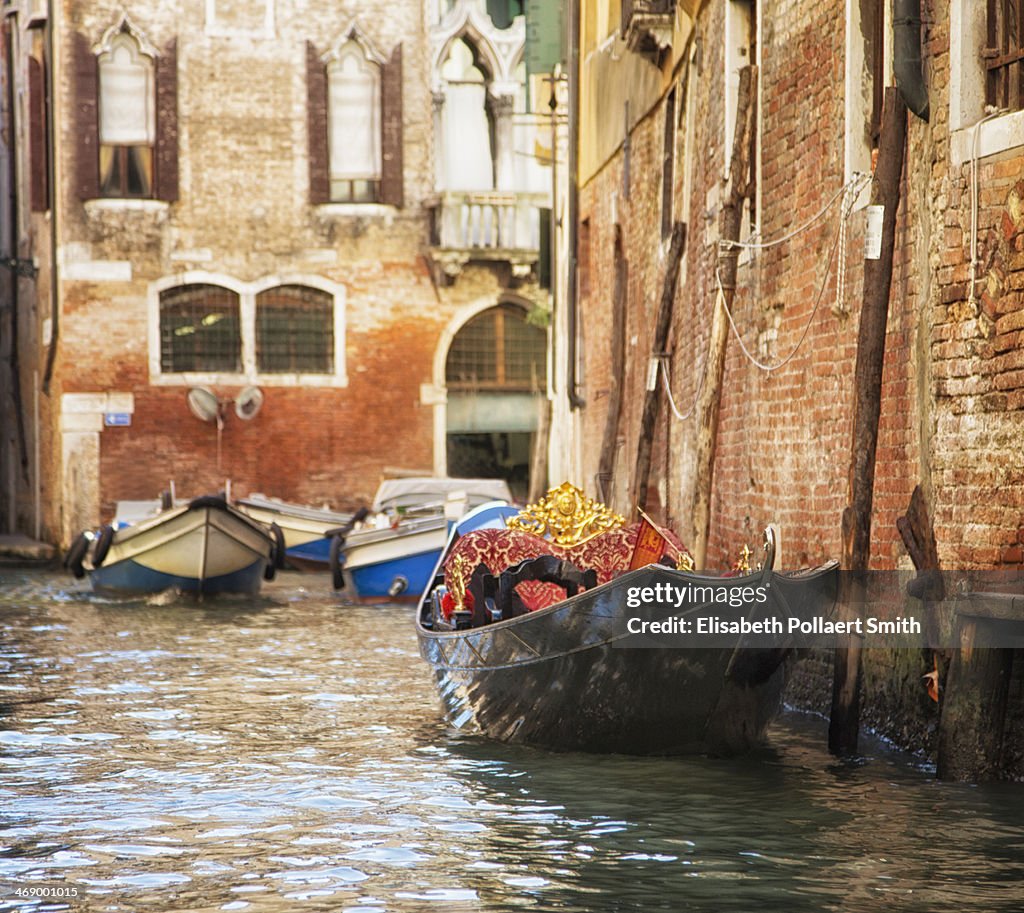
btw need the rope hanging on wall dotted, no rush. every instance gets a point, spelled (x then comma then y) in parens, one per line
(850, 191)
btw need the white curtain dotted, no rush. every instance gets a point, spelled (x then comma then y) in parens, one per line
(467, 133)
(354, 100)
(126, 95)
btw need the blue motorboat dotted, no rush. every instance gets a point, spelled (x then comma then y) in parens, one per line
(392, 558)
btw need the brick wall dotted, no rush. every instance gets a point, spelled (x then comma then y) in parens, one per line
(953, 381)
(244, 212)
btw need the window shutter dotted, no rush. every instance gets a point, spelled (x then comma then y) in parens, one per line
(391, 190)
(87, 164)
(167, 124)
(38, 151)
(316, 84)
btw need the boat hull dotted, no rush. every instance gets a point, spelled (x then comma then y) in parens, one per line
(570, 677)
(307, 548)
(203, 550)
(393, 565)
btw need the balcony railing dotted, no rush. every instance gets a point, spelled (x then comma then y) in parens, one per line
(647, 26)
(629, 7)
(487, 222)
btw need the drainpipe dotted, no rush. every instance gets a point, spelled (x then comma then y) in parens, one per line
(906, 62)
(9, 28)
(575, 400)
(51, 177)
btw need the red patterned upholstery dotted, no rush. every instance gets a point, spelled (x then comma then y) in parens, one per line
(608, 554)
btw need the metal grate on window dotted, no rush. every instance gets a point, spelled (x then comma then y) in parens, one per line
(498, 350)
(1004, 55)
(199, 330)
(525, 353)
(294, 331)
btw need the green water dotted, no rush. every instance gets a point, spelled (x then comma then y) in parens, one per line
(287, 753)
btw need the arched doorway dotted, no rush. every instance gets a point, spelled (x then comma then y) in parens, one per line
(496, 376)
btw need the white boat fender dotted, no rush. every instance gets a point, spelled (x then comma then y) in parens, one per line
(99, 554)
(398, 586)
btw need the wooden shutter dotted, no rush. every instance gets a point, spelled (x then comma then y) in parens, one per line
(316, 84)
(166, 152)
(391, 176)
(86, 119)
(38, 147)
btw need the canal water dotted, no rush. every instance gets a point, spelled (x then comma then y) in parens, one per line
(287, 753)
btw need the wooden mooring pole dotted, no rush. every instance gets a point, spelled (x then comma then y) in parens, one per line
(710, 396)
(652, 400)
(844, 721)
(977, 690)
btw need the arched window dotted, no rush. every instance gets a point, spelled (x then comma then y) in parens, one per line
(127, 119)
(294, 331)
(498, 350)
(354, 135)
(468, 134)
(200, 330)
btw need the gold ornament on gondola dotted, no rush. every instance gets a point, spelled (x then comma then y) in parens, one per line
(567, 517)
(456, 576)
(743, 561)
(684, 562)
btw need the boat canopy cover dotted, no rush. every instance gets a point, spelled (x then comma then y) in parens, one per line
(395, 493)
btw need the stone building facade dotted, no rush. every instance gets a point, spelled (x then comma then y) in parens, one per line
(658, 84)
(256, 199)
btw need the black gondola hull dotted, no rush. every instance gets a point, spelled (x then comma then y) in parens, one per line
(572, 677)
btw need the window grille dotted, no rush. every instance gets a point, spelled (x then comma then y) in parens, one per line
(498, 350)
(294, 331)
(199, 330)
(1004, 55)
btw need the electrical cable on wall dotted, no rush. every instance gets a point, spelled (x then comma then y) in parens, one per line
(858, 180)
(849, 191)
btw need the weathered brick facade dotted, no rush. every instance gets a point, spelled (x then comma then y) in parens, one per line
(240, 203)
(953, 384)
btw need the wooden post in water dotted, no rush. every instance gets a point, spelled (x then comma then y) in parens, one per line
(652, 400)
(617, 372)
(844, 721)
(710, 397)
(978, 687)
(918, 534)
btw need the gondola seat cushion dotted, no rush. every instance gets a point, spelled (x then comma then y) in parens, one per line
(608, 554)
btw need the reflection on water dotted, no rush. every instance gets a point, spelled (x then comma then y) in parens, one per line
(287, 753)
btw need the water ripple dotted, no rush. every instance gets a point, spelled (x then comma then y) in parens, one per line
(265, 754)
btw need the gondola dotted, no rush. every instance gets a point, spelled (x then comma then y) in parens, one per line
(572, 675)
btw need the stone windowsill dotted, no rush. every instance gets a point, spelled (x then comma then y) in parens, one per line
(994, 136)
(357, 210)
(242, 380)
(119, 204)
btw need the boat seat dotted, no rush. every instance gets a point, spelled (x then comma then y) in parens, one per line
(608, 554)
